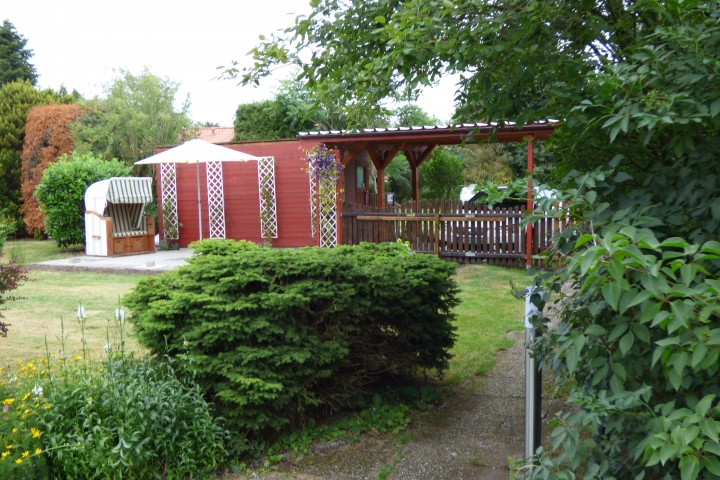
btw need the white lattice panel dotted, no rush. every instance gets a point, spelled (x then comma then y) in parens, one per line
(328, 214)
(168, 209)
(266, 192)
(313, 204)
(216, 199)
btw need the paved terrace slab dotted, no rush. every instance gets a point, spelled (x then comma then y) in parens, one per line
(143, 264)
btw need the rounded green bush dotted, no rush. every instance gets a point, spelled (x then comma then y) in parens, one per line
(276, 335)
(61, 193)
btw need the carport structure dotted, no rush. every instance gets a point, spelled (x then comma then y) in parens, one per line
(381, 145)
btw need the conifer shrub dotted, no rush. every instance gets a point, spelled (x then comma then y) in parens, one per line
(221, 246)
(277, 335)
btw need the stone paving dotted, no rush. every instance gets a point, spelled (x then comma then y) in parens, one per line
(146, 263)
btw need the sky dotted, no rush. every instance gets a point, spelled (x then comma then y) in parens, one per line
(81, 43)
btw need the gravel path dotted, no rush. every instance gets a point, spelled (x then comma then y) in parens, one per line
(469, 436)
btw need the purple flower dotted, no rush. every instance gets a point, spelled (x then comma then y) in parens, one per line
(322, 164)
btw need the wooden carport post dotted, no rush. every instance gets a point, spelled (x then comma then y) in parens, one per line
(415, 160)
(381, 160)
(529, 206)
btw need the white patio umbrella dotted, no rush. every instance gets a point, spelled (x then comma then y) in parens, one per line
(198, 151)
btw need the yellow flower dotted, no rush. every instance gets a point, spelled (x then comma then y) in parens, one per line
(35, 432)
(25, 454)
(18, 461)
(38, 451)
(47, 405)
(8, 401)
(9, 447)
(5, 454)
(15, 430)
(26, 396)
(78, 357)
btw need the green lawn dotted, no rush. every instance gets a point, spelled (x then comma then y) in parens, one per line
(50, 296)
(31, 251)
(487, 313)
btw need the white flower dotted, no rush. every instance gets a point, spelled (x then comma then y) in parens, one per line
(107, 347)
(37, 390)
(119, 314)
(186, 343)
(81, 314)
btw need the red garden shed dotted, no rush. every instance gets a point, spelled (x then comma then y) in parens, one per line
(238, 183)
(255, 200)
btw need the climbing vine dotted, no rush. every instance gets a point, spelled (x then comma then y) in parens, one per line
(324, 169)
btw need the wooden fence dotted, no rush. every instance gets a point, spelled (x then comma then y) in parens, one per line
(453, 230)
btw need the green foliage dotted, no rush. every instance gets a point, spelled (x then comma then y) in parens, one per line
(151, 208)
(268, 120)
(117, 417)
(277, 335)
(21, 451)
(16, 100)
(14, 57)
(222, 246)
(639, 335)
(5, 231)
(128, 418)
(136, 115)
(304, 112)
(509, 60)
(10, 275)
(399, 179)
(441, 176)
(376, 414)
(638, 331)
(61, 193)
(412, 115)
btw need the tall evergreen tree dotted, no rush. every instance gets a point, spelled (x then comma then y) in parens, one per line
(16, 100)
(14, 57)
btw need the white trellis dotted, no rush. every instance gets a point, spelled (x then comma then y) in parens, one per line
(323, 203)
(328, 213)
(266, 192)
(168, 209)
(313, 204)
(216, 199)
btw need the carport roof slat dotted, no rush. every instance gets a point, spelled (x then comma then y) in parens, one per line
(439, 134)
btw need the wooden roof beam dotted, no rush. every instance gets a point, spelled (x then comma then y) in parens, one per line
(410, 155)
(423, 156)
(392, 154)
(375, 159)
(350, 155)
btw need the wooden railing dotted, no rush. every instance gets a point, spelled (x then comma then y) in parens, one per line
(456, 231)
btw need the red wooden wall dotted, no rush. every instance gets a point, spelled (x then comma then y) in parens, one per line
(242, 205)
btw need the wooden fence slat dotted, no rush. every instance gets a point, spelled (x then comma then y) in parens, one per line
(457, 231)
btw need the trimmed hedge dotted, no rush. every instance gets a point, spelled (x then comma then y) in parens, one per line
(276, 335)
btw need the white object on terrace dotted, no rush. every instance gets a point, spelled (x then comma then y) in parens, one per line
(121, 199)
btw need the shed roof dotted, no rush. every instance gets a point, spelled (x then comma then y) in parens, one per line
(216, 134)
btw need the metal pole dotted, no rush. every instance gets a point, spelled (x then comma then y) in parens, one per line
(533, 382)
(197, 175)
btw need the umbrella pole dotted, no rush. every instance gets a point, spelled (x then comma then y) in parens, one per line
(197, 175)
